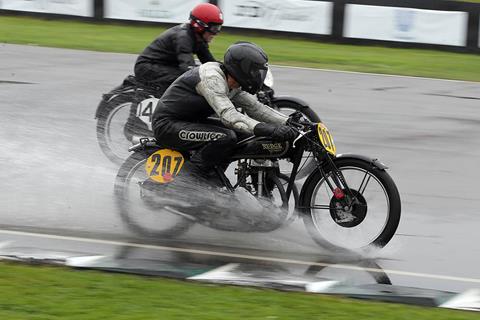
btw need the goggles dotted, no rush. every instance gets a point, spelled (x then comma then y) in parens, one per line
(213, 28)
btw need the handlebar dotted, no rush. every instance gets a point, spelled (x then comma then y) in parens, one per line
(300, 124)
(298, 121)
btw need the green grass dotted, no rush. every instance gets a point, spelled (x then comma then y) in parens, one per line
(51, 293)
(282, 50)
(46, 292)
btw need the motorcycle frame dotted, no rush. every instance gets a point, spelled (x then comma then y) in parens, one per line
(295, 153)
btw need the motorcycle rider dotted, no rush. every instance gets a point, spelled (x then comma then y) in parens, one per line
(181, 119)
(171, 54)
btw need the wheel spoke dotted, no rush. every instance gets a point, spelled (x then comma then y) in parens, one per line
(321, 207)
(365, 181)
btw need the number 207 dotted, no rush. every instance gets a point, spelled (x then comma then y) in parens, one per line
(164, 164)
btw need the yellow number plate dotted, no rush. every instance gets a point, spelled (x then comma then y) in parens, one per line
(163, 165)
(326, 139)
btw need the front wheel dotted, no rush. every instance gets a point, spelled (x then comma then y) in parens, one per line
(370, 220)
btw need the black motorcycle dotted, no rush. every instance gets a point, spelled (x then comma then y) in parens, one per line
(125, 114)
(348, 202)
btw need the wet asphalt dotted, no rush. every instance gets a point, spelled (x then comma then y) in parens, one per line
(55, 179)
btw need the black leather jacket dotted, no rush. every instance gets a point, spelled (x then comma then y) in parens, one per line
(203, 91)
(175, 47)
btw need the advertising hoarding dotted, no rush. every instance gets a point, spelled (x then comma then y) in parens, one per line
(82, 8)
(406, 25)
(170, 11)
(279, 15)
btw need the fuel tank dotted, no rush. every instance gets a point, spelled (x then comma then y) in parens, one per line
(259, 147)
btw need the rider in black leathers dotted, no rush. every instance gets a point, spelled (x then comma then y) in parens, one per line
(171, 54)
(181, 119)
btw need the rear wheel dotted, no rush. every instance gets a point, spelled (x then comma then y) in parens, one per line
(288, 107)
(117, 127)
(370, 220)
(142, 203)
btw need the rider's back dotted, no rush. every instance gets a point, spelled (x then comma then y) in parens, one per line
(175, 47)
(181, 100)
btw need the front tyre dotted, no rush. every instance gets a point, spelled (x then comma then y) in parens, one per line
(372, 219)
(142, 203)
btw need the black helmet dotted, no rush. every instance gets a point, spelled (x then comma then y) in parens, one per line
(247, 63)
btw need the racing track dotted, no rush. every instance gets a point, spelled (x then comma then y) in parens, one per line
(55, 180)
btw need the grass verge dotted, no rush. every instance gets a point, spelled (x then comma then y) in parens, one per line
(48, 292)
(282, 50)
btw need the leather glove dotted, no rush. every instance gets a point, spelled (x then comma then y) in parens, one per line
(274, 131)
(294, 117)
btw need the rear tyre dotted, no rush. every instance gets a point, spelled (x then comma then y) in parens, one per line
(289, 107)
(116, 127)
(140, 205)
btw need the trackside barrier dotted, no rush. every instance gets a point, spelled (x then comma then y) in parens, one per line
(436, 24)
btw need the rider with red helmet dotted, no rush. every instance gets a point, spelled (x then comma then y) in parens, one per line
(171, 54)
(206, 18)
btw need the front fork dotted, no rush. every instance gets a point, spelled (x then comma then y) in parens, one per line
(337, 185)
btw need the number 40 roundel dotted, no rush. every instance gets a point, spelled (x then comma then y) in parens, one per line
(163, 165)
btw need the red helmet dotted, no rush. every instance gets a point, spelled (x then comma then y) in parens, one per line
(206, 17)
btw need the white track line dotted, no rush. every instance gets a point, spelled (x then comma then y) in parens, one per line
(242, 256)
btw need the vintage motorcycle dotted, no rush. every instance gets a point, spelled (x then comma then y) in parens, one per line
(125, 114)
(349, 202)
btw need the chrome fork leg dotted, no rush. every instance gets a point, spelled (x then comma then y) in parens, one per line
(260, 182)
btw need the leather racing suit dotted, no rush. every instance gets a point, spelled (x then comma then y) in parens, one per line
(181, 118)
(170, 55)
